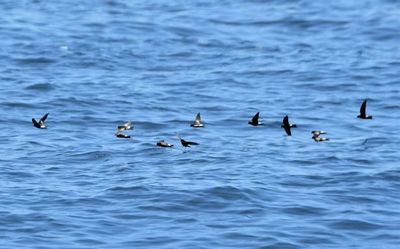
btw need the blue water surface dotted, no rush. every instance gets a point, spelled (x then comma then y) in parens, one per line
(95, 64)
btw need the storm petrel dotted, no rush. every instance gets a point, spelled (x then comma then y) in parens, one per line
(121, 135)
(197, 122)
(186, 143)
(317, 133)
(126, 126)
(254, 121)
(120, 128)
(363, 114)
(162, 143)
(286, 125)
(40, 124)
(317, 138)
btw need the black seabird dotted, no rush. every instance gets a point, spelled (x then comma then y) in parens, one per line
(162, 143)
(363, 114)
(120, 128)
(287, 125)
(187, 143)
(126, 126)
(317, 138)
(254, 121)
(317, 133)
(121, 135)
(197, 122)
(40, 124)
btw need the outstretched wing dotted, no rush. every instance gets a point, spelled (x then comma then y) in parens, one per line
(363, 108)
(254, 120)
(192, 143)
(35, 123)
(286, 125)
(197, 120)
(128, 125)
(43, 118)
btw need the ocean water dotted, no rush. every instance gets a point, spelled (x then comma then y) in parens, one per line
(95, 64)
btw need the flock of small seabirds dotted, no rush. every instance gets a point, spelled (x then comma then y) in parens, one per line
(316, 135)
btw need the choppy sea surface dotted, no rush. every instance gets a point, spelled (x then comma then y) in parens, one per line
(95, 64)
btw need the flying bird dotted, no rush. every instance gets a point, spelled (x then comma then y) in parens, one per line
(126, 126)
(40, 124)
(317, 133)
(320, 139)
(121, 135)
(197, 122)
(363, 114)
(162, 143)
(187, 143)
(317, 138)
(254, 121)
(286, 125)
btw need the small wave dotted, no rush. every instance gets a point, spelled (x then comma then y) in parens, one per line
(304, 210)
(40, 87)
(128, 189)
(228, 193)
(18, 104)
(34, 61)
(93, 155)
(356, 225)
(280, 245)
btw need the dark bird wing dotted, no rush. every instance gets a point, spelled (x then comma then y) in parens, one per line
(286, 125)
(43, 118)
(363, 108)
(192, 143)
(36, 124)
(254, 120)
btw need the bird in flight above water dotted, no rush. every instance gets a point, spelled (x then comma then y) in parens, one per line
(254, 121)
(197, 122)
(40, 124)
(320, 139)
(186, 143)
(317, 138)
(317, 133)
(363, 114)
(121, 135)
(162, 143)
(126, 126)
(286, 125)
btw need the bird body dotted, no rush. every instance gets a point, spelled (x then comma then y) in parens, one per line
(363, 114)
(162, 143)
(126, 126)
(255, 120)
(120, 128)
(317, 138)
(186, 143)
(121, 135)
(320, 139)
(197, 122)
(40, 124)
(317, 133)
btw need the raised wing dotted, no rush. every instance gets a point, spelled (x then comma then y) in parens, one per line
(363, 108)
(197, 120)
(286, 125)
(41, 121)
(254, 120)
(36, 124)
